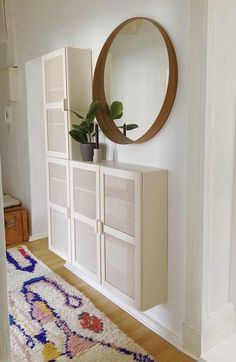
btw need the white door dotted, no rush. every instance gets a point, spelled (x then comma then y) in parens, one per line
(85, 215)
(120, 239)
(58, 206)
(55, 95)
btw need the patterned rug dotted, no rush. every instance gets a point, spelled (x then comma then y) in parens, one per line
(52, 321)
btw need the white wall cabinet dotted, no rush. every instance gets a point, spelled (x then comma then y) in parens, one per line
(119, 230)
(67, 83)
(59, 207)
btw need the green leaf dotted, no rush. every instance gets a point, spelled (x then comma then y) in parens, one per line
(131, 126)
(84, 127)
(93, 109)
(76, 126)
(76, 113)
(116, 110)
(78, 136)
(91, 128)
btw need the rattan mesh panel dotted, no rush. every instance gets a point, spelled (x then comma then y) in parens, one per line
(57, 130)
(120, 204)
(54, 82)
(119, 264)
(59, 231)
(85, 246)
(57, 184)
(84, 182)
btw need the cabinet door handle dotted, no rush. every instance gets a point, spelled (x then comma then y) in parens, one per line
(64, 104)
(99, 227)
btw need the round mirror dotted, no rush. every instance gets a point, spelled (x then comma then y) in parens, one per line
(137, 66)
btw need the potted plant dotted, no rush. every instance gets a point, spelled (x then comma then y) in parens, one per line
(84, 132)
(116, 112)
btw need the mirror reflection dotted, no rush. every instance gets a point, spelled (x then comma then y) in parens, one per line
(137, 74)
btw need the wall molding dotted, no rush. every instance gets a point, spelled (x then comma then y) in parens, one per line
(195, 176)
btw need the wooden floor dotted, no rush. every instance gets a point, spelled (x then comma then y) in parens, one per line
(151, 342)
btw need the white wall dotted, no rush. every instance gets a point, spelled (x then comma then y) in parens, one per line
(36, 140)
(44, 26)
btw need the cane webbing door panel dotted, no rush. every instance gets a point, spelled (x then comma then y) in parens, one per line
(85, 252)
(56, 131)
(54, 66)
(119, 259)
(85, 213)
(120, 209)
(58, 206)
(67, 84)
(55, 91)
(119, 203)
(59, 232)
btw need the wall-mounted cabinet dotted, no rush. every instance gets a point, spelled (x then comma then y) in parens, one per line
(119, 230)
(67, 83)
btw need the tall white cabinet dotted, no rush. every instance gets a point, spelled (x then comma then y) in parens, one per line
(119, 230)
(67, 84)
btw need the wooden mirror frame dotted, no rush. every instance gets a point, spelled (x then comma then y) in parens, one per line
(104, 119)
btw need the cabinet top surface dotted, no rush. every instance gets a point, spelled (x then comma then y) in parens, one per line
(122, 166)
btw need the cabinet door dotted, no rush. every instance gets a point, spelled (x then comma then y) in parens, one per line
(120, 215)
(85, 213)
(58, 207)
(55, 92)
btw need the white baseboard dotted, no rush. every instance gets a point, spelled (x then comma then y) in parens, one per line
(37, 236)
(156, 327)
(198, 343)
(222, 352)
